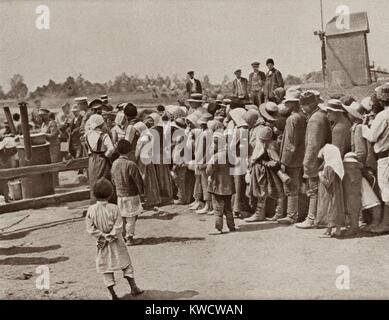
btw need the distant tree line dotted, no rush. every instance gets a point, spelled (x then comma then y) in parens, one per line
(158, 86)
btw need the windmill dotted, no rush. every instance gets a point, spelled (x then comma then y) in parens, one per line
(321, 35)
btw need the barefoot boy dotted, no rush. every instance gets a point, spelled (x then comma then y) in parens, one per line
(103, 221)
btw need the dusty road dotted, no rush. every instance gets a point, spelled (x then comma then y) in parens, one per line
(177, 259)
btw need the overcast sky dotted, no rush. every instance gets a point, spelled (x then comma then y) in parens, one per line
(101, 39)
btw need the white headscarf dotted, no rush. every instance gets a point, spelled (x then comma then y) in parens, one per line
(95, 121)
(333, 159)
(120, 118)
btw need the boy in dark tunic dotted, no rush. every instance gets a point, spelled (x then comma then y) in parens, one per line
(221, 185)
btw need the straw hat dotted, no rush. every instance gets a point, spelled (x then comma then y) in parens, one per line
(354, 110)
(269, 111)
(195, 98)
(308, 99)
(335, 105)
(292, 96)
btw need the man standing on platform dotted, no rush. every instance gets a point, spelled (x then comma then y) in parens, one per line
(274, 80)
(193, 85)
(240, 88)
(257, 79)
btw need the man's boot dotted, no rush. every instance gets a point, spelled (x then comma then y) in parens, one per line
(375, 218)
(113, 293)
(354, 224)
(384, 225)
(134, 288)
(259, 214)
(309, 222)
(292, 214)
(279, 214)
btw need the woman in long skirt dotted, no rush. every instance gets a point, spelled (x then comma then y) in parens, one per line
(100, 148)
(152, 196)
(162, 129)
(330, 200)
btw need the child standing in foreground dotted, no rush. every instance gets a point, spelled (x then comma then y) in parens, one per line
(129, 186)
(331, 191)
(221, 184)
(103, 221)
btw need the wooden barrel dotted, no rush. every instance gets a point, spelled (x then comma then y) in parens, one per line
(37, 185)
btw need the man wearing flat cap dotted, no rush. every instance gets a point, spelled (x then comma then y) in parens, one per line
(317, 135)
(193, 85)
(240, 88)
(257, 79)
(274, 80)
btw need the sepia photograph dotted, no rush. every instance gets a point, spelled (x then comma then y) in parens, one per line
(208, 152)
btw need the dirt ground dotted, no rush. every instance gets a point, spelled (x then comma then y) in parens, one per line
(177, 259)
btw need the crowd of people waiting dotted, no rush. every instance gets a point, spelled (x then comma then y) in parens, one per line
(292, 142)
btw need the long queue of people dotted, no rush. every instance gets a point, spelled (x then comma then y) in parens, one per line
(337, 149)
(332, 151)
(229, 158)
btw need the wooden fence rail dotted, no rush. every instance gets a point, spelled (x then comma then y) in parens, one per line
(15, 173)
(49, 200)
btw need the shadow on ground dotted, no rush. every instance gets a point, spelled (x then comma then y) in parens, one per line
(20, 250)
(362, 234)
(160, 240)
(162, 295)
(25, 261)
(21, 233)
(249, 227)
(14, 235)
(160, 216)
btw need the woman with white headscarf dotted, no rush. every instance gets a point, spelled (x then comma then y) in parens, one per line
(100, 149)
(143, 156)
(119, 130)
(330, 200)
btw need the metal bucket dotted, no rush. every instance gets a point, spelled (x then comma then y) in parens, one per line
(15, 190)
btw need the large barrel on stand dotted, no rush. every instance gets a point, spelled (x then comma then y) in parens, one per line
(41, 184)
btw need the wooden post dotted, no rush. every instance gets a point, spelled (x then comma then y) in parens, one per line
(10, 120)
(25, 130)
